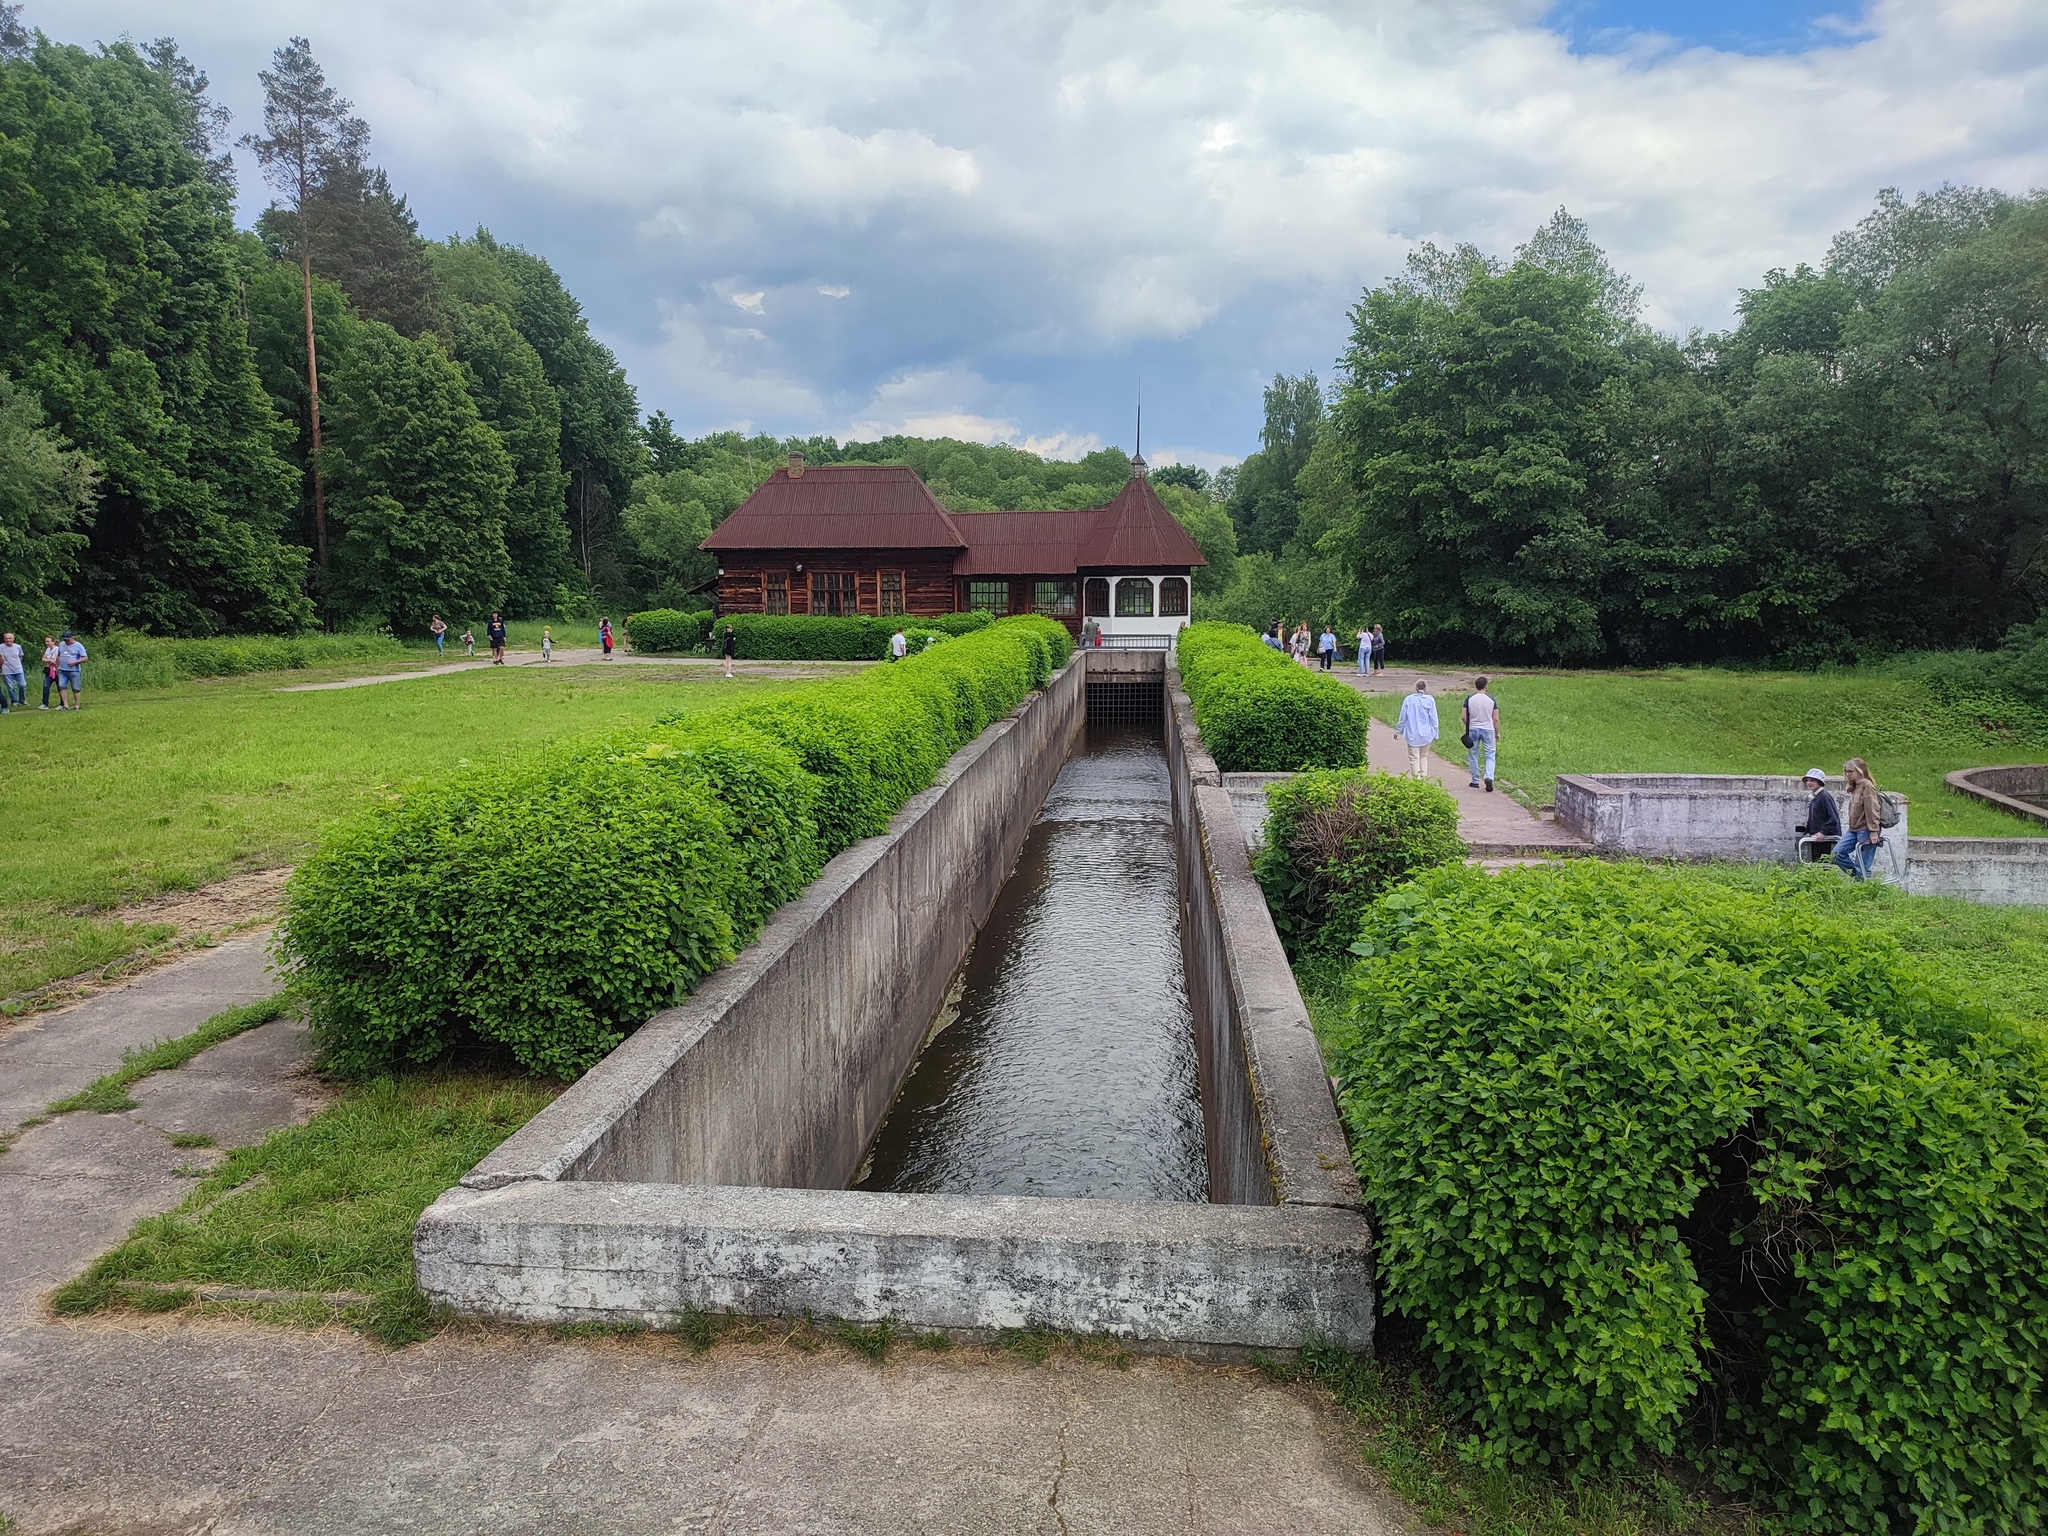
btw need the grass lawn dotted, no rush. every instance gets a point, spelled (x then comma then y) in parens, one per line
(1709, 721)
(323, 1207)
(168, 789)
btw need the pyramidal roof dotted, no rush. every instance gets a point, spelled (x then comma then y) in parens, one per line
(1136, 530)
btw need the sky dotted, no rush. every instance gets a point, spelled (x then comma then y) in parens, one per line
(1004, 221)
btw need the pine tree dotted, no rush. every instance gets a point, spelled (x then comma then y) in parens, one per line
(505, 379)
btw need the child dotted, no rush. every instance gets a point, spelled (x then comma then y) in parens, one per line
(547, 643)
(604, 635)
(469, 644)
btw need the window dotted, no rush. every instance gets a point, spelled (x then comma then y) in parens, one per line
(778, 595)
(989, 596)
(1097, 593)
(1173, 596)
(890, 585)
(1055, 598)
(1134, 598)
(834, 593)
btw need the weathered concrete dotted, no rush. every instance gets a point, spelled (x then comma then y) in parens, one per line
(45, 1056)
(1159, 1273)
(2004, 787)
(1747, 818)
(1996, 871)
(779, 1070)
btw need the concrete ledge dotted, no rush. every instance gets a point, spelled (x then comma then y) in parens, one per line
(1995, 871)
(1179, 1275)
(2000, 786)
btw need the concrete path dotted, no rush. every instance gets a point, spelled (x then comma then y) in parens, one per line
(590, 657)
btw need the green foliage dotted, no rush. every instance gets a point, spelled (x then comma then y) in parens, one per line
(673, 511)
(1263, 496)
(1260, 712)
(552, 904)
(124, 658)
(664, 630)
(1645, 1145)
(121, 311)
(1209, 525)
(765, 637)
(417, 484)
(46, 491)
(1338, 840)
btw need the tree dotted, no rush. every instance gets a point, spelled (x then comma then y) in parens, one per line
(361, 234)
(46, 491)
(206, 121)
(505, 379)
(1190, 477)
(420, 482)
(1262, 496)
(1209, 525)
(307, 125)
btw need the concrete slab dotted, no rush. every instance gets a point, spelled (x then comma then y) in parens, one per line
(45, 1056)
(239, 1091)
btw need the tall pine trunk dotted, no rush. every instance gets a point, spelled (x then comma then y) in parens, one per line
(313, 394)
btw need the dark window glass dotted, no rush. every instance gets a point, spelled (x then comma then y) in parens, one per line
(989, 596)
(891, 586)
(1097, 593)
(1173, 596)
(1054, 597)
(1134, 598)
(778, 594)
(834, 594)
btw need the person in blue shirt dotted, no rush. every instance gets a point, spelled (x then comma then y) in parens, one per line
(1326, 647)
(70, 671)
(1417, 728)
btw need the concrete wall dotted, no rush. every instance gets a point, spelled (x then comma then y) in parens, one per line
(778, 1071)
(1742, 817)
(2004, 787)
(1997, 871)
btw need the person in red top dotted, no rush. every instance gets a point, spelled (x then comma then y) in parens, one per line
(604, 636)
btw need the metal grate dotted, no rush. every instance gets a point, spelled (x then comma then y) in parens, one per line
(1140, 701)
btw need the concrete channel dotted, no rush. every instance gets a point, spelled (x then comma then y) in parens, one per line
(706, 1163)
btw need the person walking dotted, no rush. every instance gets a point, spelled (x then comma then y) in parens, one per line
(1326, 648)
(49, 668)
(469, 643)
(730, 645)
(1482, 729)
(13, 679)
(439, 631)
(1301, 643)
(1273, 639)
(604, 637)
(1379, 649)
(1823, 825)
(495, 633)
(1863, 826)
(547, 643)
(1364, 651)
(899, 645)
(1417, 728)
(71, 671)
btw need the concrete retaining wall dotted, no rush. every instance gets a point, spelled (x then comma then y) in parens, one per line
(1743, 817)
(1997, 871)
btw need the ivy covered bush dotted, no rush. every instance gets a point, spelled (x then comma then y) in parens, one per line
(554, 902)
(798, 637)
(1338, 839)
(667, 630)
(1262, 712)
(1651, 1154)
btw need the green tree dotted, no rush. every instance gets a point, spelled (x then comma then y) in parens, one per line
(1262, 499)
(420, 482)
(1209, 525)
(505, 379)
(120, 308)
(46, 492)
(273, 298)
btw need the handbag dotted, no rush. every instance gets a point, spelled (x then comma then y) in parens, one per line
(1466, 741)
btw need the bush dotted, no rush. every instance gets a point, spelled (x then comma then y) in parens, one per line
(1261, 712)
(126, 658)
(660, 630)
(1338, 839)
(796, 637)
(1643, 1145)
(550, 904)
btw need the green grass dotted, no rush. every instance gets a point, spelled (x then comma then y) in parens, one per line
(109, 1094)
(326, 1206)
(1711, 721)
(173, 788)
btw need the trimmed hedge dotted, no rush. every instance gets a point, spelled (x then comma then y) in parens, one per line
(1338, 839)
(1645, 1147)
(797, 637)
(550, 904)
(660, 630)
(1262, 712)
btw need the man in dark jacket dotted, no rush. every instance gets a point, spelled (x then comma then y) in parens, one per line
(1822, 828)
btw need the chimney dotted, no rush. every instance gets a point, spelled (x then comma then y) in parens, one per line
(796, 466)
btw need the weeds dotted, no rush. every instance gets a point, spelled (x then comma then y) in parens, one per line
(871, 1343)
(189, 1139)
(108, 1095)
(699, 1330)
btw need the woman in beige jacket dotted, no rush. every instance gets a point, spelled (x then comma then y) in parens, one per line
(1862, 826)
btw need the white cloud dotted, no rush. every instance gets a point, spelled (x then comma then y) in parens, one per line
(750, 302)
(835, 293)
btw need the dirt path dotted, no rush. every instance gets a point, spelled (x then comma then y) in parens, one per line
(592, 657)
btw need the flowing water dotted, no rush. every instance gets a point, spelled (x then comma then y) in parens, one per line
(1064, 1061)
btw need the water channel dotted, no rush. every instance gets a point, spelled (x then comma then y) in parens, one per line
(1064, 1060)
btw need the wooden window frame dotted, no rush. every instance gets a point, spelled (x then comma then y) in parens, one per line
(1179, 586)
(844, 586)
(882, 608)
(1066, 601)
(1135, 583)
(985, 583)
(771, 585)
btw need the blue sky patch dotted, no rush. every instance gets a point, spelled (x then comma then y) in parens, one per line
(1732, 26)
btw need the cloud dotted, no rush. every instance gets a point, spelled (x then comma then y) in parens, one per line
(1053, 199)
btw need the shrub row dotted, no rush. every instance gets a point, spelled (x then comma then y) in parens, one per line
(1261, 712)
(1338, 839)
(551, 903)
(125, 658)
(797, 637)
(664, 630)
(1645, 1148)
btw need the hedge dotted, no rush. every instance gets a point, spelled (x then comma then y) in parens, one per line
(551, 903)
(1261, 712)
(668, 629)
(1336, 840)
(797, 637)
(1645, 1148)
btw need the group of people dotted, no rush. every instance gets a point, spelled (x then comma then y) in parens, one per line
(494, 636)
(1418, 728)
(1852, 833)
(1303, 644)
(63, 669)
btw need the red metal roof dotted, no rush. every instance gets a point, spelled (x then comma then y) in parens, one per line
(839, 506)
(886, 506)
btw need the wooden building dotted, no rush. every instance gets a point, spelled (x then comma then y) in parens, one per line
(841, 539)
